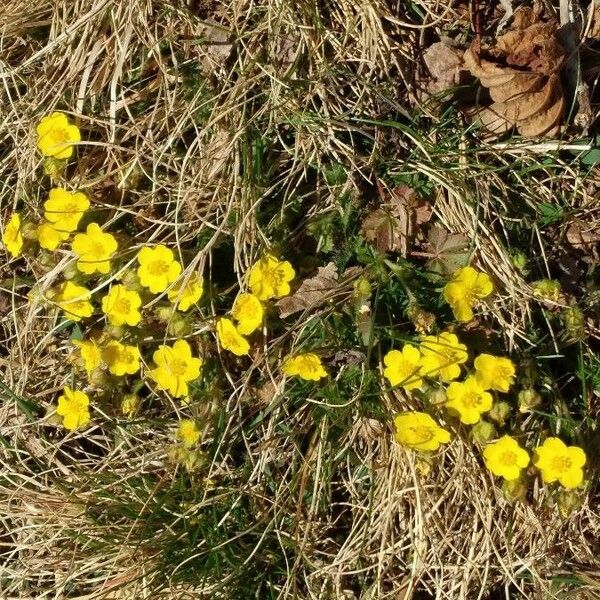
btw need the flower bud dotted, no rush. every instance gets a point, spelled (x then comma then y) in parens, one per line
(113, 332)
(54, 167)
(437, 396)
(362, 289)
(547, 289)
(515, 489)
(568, 502)
(528, 399)
(574, 324)
(483, 432)
(422, 320)
(70, 271)
(500, 412)
(130, 404)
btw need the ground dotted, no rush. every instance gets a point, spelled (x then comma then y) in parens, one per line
(318, 134)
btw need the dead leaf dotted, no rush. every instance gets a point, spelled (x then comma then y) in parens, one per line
(521, 70)
(446, 66)
(311, 293)
(447, 251)
(392, 226)
(584, 235)
(594, 20)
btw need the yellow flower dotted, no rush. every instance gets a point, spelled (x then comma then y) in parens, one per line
(64, 209)
(188, 432)
(56, 136)
(121, 359)
(91, 354)
(175, 367)
(73, 408)
(505, 458)
(464, 289)
(442, 356)
(248, 312)
(231, 339)
(417, 430)
(49, 237)
(94, 249)
(494, 372)
(468, 400)
(12, 237)
(158, 268)
(402, 367)
(74, 300)
(122, 306)
(186, 294)
(559, 462)
(270, 277)
(306, 366)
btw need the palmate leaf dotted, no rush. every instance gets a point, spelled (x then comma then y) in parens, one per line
(447, 252)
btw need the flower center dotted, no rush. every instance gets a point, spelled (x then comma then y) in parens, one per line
(158, 267)
(422, 433)
(123, 305)
(471, 400)
(177, 366)
(561, 463)
(508, 458)
(96, 249)
(59, 136)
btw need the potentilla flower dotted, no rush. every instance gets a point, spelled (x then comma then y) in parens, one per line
(121, 358)
(505, 458)
(50, 237)
(175, 368)
(307, 366)
(186, 294)
(158, 268)
(64, 209)
(91, 354)
(12, 237)
(73, 407)
(188, 432)
(270, 278)
(230, 338)
(494, 372)
(442, 356)
(417, 430)
(122, 306)
(74, 300)
(402, 367)
(468, 400)
(559, 462)
(248, 312)
(56, 136)
(466, 287)
(94, 249)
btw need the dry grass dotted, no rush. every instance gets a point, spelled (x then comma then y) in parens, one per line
(197, 118)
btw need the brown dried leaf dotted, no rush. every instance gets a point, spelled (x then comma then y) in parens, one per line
(529, 97)
(393, 226)
(447, 251)
(311, 293)
(445, 64)
(584, 235)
